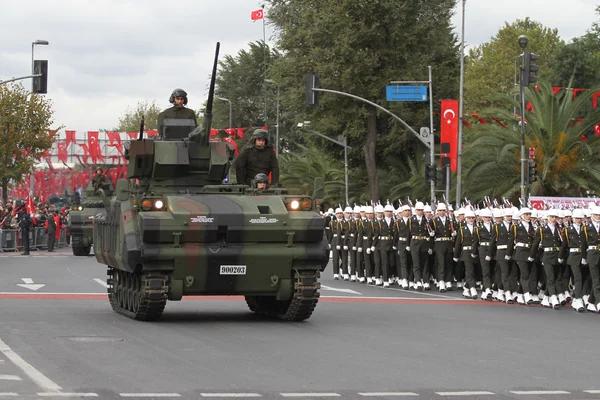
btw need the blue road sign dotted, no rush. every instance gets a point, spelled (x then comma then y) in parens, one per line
(406, 93)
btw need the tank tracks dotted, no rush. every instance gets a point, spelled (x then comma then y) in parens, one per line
(141, 296)
(78, 248)
(299, 308)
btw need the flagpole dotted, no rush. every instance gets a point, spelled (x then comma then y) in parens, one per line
(265, 63)
(460, 110)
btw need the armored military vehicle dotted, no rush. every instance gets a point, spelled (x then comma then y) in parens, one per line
(179, 231)
(81, 217)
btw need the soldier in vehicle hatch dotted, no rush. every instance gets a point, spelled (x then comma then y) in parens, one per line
(99, 179)
(257, 158)
(261, 181)
(178, 111)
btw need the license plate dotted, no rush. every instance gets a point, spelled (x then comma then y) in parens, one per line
(233, 270)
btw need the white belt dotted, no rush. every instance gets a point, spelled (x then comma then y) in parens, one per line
(502, 246)
(467, 247)
(523, 245)
(402, 239)
(385, 237)
(443, 239)
(575, 250)
(549, 249)
(592, 248)
(365, 237)
(335, 235)
(484, 243)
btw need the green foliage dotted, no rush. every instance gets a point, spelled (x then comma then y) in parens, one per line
(130, 121)
(566, 164)
(358, 47)
(299, 169)
(25, 121)
(490, 67)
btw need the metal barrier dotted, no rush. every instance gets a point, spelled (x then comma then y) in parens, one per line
(10, 239)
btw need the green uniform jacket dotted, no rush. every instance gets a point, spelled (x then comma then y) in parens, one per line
(253, 161)
(175, 113)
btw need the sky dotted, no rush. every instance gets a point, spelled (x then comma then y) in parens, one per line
(107, 55)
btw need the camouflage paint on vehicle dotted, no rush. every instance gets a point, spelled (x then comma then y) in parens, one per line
(181, 232)
(81, 219)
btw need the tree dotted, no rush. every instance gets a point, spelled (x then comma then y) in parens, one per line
(25, 121)
(130, 121)
(358, 47)
(567, 164)
(579, 60)
(490, 67)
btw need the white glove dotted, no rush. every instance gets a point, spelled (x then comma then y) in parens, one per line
(368, 250)
(507, 258)
(488, 258)
(473, 255)
(345, 247)
(530, 259)
(584, 261)
(394, 247)
(455, 259)
(353, 248)
(373, 249)
(454, 234)
(360, 249)
(432, 234)
(407, 248)
(560, 260)
(337, 247)
(430, 252)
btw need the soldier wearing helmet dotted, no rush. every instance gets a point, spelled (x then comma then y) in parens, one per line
(260, 181)
(178, 111)
(257, 158)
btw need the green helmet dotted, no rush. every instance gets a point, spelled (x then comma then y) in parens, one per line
(261, 178)
(178, 93)
(260, 134)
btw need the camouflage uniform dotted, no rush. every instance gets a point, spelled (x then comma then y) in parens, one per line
(253, 160)
(176, 112)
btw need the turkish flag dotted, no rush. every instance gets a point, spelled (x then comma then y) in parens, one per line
(70, 137)
(449, 129)
(94, 146)
(256, 15)
(62, 151)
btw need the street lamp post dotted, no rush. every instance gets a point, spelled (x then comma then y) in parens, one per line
(33, 44)
(230, 115)
(277, 119)
(460, 110)
(523, 43)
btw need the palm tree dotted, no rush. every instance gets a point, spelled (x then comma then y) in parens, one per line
(299, 169)
(567, 158)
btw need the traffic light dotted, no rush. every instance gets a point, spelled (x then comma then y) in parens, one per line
(529, 70)
(442, 175)
(430, 174)
(312, 96)
(531, 172)
(40, 83)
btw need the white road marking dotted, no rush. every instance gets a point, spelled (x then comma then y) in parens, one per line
(36, 376)
(594, 391)
(468, 393)
(101, 282)
(8, 394)
(149, 395)
(230, 395)
(538, 392)
(339, 290)
(10, 378)
(59, 394)
(424, 293)
(28, 284)
(386, 394)
(310, 394)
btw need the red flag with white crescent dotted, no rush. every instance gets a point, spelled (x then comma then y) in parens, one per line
(449, 129)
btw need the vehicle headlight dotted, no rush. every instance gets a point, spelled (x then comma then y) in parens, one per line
(294, 204)
(158, 204)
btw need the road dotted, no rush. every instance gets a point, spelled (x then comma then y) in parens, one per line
(60, 339)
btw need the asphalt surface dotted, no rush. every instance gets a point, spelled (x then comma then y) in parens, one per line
(62, 340)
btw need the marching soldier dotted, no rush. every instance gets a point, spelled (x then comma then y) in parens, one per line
(367, 244)
(402, 229)
(443, 228)
(353, 243)
(340, 228)
(501, 240)
(384, 244)
(573, 252)
(484, 238)
(592, 258)
(464, 249)
(523, 233)
(549, 237)
(420, 248)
